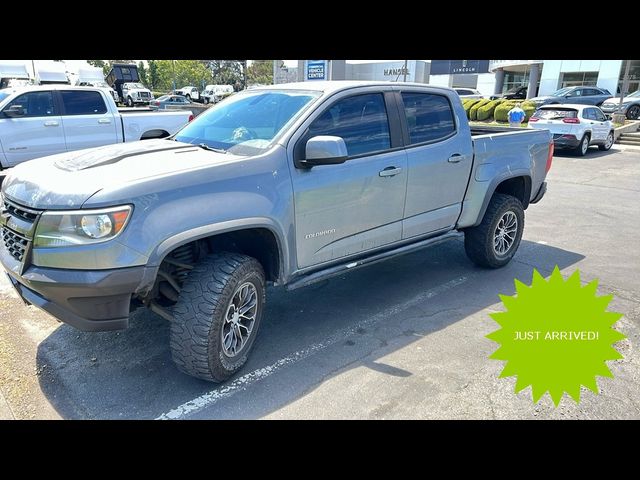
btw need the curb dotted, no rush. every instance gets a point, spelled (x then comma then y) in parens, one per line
(631, 127)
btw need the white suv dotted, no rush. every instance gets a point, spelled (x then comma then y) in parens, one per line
(466, 93)
(575, 126)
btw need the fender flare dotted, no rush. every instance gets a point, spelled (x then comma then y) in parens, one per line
(494, 185)
(171, 243)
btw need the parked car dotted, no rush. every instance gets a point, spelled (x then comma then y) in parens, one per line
(630, 106)
(215, 93)
(468, 93)
(517, 93)
(161, 103)
(191, 93)
(289, 185)
(575, 126)
(43, 120)
(574, 95)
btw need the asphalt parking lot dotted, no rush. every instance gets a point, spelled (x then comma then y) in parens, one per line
(400, 339)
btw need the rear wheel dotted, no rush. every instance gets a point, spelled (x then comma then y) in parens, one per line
(583, 146)
(217, 316)
(607, 143)
(494, 242)
(634, 112)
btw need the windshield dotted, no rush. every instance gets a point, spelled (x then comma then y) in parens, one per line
(135, 85)
(162, 98)
(562, 91)
(247, 123)
(634, 94)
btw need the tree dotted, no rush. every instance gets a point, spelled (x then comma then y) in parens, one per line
(260, 72)
(226, 72)
(142, 73)
(154, 78)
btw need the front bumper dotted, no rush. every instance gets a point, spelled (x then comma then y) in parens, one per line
(89, 300)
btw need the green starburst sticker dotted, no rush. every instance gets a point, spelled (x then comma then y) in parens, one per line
(556, 336)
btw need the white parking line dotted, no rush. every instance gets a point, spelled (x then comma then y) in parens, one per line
(248, 379)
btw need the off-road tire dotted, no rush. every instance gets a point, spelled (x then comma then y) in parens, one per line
(479, 240)
(199, 315)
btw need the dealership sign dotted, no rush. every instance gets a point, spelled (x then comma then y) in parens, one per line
(316, 70)
(450, 67)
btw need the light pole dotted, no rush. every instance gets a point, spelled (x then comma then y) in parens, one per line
(620, 117)
(173, 67)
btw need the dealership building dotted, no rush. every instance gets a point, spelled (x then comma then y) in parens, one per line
(542, 77)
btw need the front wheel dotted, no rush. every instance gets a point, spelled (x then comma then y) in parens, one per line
(494, 242)
(206, 101)
(130, 102)
(634, 112)
(607, 143)
(217, 316)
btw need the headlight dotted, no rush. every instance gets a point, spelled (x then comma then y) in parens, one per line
(80, 227)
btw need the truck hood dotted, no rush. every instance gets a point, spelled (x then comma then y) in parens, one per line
(67, 180)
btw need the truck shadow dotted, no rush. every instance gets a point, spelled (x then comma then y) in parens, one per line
(592, 154)
(129, 374)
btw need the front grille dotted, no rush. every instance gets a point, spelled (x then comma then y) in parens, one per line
(20, 212)
(145, 95)
(14, 243)
(17, 243)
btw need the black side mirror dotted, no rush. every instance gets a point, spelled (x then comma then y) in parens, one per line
(14, 111)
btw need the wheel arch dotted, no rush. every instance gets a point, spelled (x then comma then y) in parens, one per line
(154, 133)
(518, 186)
(261, 233)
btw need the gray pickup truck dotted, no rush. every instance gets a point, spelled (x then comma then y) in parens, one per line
(283, 185)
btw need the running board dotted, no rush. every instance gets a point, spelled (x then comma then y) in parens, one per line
(350, 266)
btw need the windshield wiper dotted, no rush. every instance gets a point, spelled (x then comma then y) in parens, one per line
(204, 146)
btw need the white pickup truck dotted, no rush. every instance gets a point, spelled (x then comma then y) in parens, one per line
(38, 121)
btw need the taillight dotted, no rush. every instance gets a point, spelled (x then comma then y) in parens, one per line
(157, 103)
(571, 120)
(533, 119)
(191, 117)
(550, 156)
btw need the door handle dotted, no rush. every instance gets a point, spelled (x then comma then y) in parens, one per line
(390, 171)
(51, 123)
(455, 158)
(104, 120)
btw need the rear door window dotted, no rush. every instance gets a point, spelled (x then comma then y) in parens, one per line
(429, 117)
(83, 103)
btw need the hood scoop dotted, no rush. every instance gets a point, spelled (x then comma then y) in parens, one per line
(108, 154)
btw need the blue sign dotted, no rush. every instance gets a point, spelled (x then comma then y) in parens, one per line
(316, 70)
